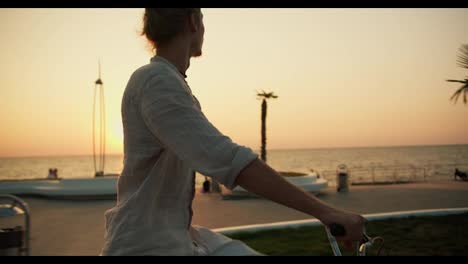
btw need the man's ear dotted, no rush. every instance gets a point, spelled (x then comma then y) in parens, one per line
(194, 22)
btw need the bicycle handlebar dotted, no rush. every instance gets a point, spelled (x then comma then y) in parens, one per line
(337, 230)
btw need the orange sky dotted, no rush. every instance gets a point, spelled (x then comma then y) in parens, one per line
(345, 77)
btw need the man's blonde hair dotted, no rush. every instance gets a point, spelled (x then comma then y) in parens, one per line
(161, 25)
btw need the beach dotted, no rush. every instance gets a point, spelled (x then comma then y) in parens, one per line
(61, 227)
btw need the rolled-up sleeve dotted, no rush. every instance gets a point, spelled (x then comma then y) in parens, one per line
(171, 114)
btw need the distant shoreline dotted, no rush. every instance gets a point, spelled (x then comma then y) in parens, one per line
(371, 147)
(276, 149)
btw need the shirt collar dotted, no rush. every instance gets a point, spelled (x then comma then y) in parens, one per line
(172, 66)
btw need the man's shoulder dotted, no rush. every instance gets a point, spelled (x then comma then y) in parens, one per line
(153, 69)
(156, 76)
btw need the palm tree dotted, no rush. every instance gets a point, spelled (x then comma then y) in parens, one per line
(264, 96)
(462, 62)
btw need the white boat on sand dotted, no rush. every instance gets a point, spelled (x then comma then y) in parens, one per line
(311, 182)
(77, 188)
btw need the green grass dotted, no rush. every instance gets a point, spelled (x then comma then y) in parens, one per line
(422, 236)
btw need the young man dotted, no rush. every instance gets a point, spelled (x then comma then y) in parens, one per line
(167, 138)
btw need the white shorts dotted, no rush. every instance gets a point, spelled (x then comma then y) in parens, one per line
(209, 243)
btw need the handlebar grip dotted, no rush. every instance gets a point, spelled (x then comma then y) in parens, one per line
(337, 230)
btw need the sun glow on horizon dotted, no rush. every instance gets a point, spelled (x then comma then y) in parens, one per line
(344, 77)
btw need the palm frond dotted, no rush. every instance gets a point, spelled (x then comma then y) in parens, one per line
(458, 81)
(454, 97)
(462, 62)
(463, 56)
(266, 95)
(464, 95)
(459, 92)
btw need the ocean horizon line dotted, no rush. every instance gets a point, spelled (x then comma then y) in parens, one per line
(273, 149)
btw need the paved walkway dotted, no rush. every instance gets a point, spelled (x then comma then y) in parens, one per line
(77, 227)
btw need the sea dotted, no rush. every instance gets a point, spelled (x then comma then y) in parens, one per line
(362, 164)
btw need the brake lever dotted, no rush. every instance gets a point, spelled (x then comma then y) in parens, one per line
(339, 230)
(365, 238)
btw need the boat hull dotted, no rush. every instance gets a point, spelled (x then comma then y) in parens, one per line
(66, 188)
(310, 183)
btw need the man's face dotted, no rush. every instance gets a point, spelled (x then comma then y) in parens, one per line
(197, 42)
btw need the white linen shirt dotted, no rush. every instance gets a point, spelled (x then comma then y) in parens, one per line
(166, 139)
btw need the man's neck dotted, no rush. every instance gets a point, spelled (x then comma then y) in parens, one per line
(177, 53)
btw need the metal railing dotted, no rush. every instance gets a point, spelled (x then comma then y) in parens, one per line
(398, 173)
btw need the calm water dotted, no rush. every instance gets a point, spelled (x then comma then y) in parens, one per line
(365, 164)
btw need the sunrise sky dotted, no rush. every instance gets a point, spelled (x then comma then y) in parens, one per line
(344, 77)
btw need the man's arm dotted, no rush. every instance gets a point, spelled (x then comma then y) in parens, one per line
(261, 179)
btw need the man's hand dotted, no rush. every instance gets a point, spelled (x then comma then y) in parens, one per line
(261, 179)
(352, 223)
